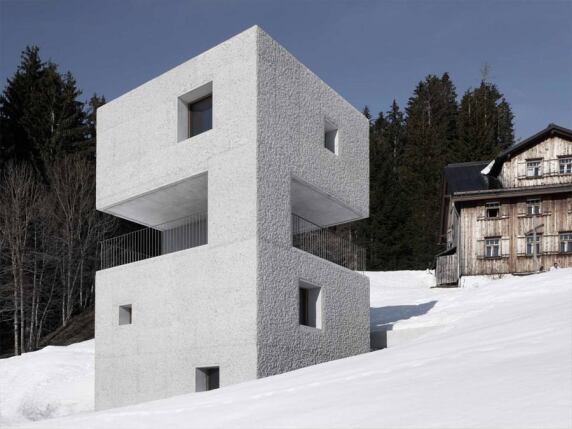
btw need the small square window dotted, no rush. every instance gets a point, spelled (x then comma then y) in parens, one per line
(200, 116)
(195, 112)
(492, 247)
(533, 207)
(565, 165)
(566, 242)
(534, 168)
(492, 210)
(125, 314)
(207, 379)
(533, 244)
(331, 137)
(310, 305)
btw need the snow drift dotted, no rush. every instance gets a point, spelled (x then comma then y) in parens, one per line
(52, 382)
(498, 354)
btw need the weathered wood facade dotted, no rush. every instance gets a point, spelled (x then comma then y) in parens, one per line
(514, 216)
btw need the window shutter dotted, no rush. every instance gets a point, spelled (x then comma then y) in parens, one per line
(505, 246)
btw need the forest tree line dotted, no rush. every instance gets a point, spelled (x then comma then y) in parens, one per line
(50, 230)
(408, 150)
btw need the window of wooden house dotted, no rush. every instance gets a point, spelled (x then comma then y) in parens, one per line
(492, 247)
(492, 210)
(565, 165)
(566, 242)
(533, 244)
(533, 206)
(534, 168)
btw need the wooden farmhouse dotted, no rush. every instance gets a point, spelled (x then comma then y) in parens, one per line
(511, 215)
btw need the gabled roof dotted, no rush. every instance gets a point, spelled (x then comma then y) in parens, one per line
(469, 177)
(552, 130)
(466, 176)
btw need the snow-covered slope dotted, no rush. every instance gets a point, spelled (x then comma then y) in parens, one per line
(52, 382)
(499, 355)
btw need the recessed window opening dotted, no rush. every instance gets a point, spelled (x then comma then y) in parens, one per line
(492, 210)
(492, 247)
(331, 137)
(310, 305)
(195, 112)
(125, 314)
(533, 206)
(207, 379)
(201, 116)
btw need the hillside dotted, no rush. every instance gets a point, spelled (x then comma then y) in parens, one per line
(496, 353)
(79, 328)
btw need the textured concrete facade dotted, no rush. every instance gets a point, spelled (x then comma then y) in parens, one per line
(293, 105)
(232, 303)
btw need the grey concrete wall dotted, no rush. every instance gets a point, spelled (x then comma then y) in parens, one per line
(283, 344)
(197, 307)
(232, 303)
(187, 313)
(138, 147)
(293, 106)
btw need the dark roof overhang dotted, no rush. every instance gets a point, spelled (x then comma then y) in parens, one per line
(511, 192)
(467, 176)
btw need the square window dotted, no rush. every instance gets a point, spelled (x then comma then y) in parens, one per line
(534, 168)
(201, 116)
(566, 242)
(533, 245)
(207, 379)
(195, 112)
(492, 247)
(492, 210)
(310, 305)
(533, 207)
(565, 165)
(331, 137)
(125, 314)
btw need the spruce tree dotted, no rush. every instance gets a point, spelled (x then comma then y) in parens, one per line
(15, 101)
(485, 123)
(505, 129)
(92, 105)
(431, 143)
(41, 117)
(381, 233)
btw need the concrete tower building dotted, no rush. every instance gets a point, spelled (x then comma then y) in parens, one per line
(233, 163)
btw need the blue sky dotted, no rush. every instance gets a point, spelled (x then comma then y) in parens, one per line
(369, 51)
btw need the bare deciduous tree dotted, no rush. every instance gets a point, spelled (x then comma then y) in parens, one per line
(20, 193)
(49, 236)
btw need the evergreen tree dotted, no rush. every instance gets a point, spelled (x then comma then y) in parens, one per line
(505, 130)
(40, 115)
(431, 143)
(93, 104)
(15, 100)
(485, 123)
(381, 232)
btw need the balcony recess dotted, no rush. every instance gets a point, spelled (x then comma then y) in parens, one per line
(169, 237)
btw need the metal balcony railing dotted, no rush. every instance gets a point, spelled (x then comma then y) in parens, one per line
(324, 243)
(180, 234)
